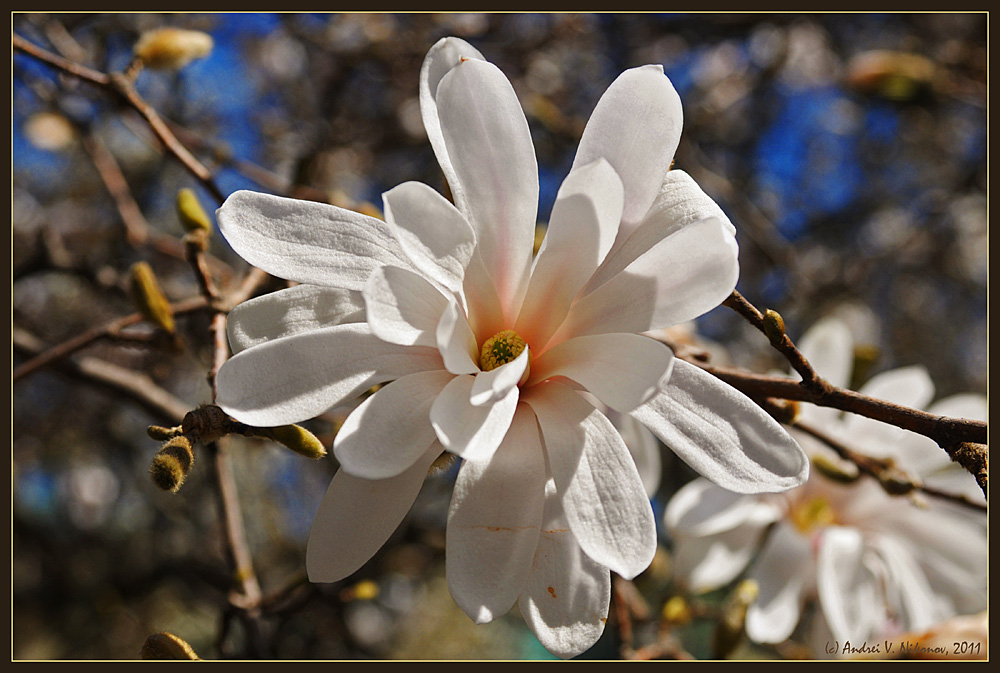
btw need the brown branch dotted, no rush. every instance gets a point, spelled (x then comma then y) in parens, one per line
(139, 387)
(107, 330)
(121, 85)
(136, 227)
(951, 434)
(893, 479)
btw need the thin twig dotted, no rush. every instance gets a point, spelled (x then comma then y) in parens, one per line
(139, 387)
(894, 479)
(107, 330)
(122, 86)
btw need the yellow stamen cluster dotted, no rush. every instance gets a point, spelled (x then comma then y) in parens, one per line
(500, 349)
(811, 514)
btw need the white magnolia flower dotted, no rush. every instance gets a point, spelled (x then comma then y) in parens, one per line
(487, 348)
(829, 347)
(877, 564)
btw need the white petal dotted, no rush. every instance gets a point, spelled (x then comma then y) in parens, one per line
(472, 432)
(680, 203)
(431, 232)
(307, 242)
(442, 57)
(494, 385)
(707, 563)
(722, 434)
(912, 598)
(621, 370)
(686, 274)
(847, 590)
(602, 494)
(644, 448)
(298, 309)
(294, 379)
(566, 598)
(782, 572)
(494, 521)
(909, 386)
(455, 341)
(702, 508)
(581, 230)
(829, 347)
(357, 516)
(636, 126)
(402, 307)
(391, 429)
(490, 148)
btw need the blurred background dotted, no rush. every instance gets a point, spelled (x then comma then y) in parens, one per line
(848, 150)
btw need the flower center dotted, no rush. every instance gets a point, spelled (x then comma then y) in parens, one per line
(811, 514)
(500, 349)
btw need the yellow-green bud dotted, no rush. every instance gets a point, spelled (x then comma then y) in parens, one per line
(150, 299)
(172, 463)
(896, 482)
(774, 326)
(676, 611)
(190, 212)
(365, 590)
(167, 646)
(296, 438)
(162, 434)
(840, 471)
(172, 48)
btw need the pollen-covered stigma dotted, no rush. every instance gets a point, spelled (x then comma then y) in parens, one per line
(501, 348)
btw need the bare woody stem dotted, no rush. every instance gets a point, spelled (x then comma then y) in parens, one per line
(121, 85)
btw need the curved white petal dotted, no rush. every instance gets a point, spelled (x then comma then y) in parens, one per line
(431, 232)
(456, 341)
(307, 242)
(680, 203)
(908, 386)
(357, 516)
(298, 309)
(494, 385)
(581, 230)
(644, 447)
(621, 370)
(494, 521)
(707, 563)
(782, 572)
(403, 307)
(847, 591)
(722, 434)
(636, 126)
(701, 508)
(684, 275)
(566, 598)
(910, 595)
(442, 57)
(829, 347)
(472, 432)
(603, 496)
(296, 378)
(390, 430)
(490, 148)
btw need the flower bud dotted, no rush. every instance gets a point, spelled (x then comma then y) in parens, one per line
(841, 471)
(172, 464)
(296, 438)
(774, 326)
(676, 611)
(162, 434)
(190, 212)
(172, 48)
(365, 590)
(150, 299)
(167, 646)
